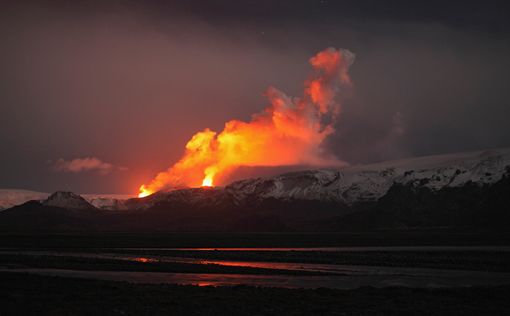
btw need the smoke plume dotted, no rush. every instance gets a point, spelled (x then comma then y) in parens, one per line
(289, 131)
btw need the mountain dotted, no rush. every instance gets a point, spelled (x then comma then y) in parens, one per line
(442, 191)
(406, 206)
(456, 191)
(13, 197)
(67, 200)
(34, 216)
(60, 211)
(107, 201)
(364, 183)
(353, 184)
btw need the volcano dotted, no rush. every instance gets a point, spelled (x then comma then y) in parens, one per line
(452, 191)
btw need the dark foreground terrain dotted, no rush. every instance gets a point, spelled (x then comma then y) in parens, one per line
(385, 273)
(22, 294)
(151, 239)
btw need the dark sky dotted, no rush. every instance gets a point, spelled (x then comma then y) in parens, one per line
(128, 82)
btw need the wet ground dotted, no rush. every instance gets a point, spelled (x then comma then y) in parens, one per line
(322, 267)
(413, 273)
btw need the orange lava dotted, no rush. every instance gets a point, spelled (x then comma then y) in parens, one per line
(144, 192)
(207, 182)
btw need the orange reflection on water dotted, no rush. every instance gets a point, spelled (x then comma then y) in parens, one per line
(205, 283)
(264, 265)
(143, 259)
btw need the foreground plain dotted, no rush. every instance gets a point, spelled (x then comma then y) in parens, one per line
(42, 295)
(469, 253)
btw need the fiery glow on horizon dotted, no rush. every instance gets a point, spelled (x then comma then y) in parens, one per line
(289, 131)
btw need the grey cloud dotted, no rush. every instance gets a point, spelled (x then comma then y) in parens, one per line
(85, 164)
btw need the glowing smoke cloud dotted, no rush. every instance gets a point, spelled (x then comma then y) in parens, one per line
(288, 132)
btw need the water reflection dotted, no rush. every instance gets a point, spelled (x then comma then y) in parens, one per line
(205, 284)
(339, 276)
(286, 281)
(143, 259)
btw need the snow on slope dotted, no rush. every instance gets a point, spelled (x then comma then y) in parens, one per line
(370, 182)
(346, 185)
(107, 201)
(67, 200)
(13, 197)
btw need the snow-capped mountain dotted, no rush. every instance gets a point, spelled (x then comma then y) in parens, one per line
(67, 200)
(107, 201)
(347, 185)
(12, 197)
(458, 191)
(353, 184)
(370, 182)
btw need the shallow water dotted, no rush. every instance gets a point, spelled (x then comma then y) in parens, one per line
(333, 281)
(341, 269)
(339, 276)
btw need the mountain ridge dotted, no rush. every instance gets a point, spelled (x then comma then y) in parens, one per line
(363, 183)
(468, 190)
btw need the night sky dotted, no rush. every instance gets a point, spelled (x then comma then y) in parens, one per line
(127, 84)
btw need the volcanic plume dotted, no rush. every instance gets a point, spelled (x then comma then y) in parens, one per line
(289, 131)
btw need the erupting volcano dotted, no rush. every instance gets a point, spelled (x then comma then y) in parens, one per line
(288, 132)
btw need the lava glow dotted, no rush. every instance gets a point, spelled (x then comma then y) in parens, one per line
(289, 131)
(144, 192)
(207, 182)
